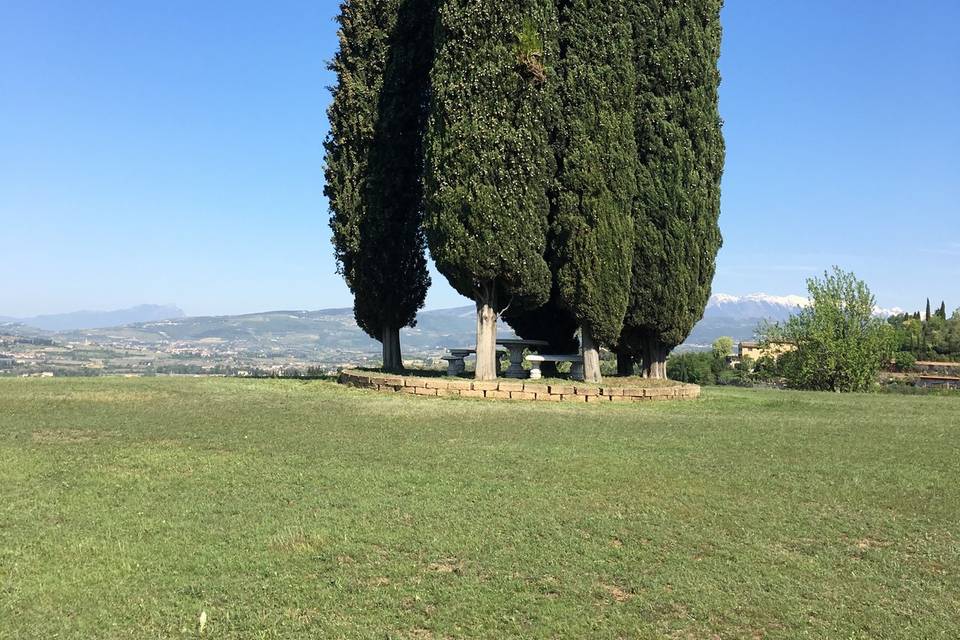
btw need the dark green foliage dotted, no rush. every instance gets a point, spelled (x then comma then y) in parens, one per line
(596, 160)
(769, 368)
(692, 367)
(680, 151)
(705, 367)
(488, 163)
(374, 157)
(935, 339)
(551, 322)
(904, 361)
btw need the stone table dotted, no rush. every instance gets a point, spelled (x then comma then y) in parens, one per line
(515, 347)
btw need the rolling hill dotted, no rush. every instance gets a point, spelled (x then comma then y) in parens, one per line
(94, 319)
(305, 334)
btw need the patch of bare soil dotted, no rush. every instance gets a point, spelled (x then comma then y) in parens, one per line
(617, 593)
(447, 565)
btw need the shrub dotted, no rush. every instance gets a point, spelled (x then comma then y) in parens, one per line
(694, 367)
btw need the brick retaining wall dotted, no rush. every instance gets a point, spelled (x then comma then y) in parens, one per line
(514, 389)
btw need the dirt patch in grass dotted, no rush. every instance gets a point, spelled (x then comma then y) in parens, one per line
(617, 593)
(447, 565)
(380, 581)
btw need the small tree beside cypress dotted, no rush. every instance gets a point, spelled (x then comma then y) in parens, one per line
(374, 162)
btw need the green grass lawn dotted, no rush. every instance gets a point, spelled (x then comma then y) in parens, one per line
(288, 509)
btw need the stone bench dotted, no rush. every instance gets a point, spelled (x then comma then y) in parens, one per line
(455, 361)
(576, 368)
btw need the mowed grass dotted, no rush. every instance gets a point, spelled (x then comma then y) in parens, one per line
(288, 509)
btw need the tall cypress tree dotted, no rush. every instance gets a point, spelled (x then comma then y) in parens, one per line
(374, 162)
(487, 154)
(681, 155)
(596, 157)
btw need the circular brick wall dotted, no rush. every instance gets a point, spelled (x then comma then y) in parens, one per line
(514, 389)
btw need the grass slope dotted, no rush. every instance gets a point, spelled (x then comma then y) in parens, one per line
(289, 509)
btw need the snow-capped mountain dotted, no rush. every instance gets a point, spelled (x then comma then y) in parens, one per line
(740, 316)
(761, 305)
(754, 305)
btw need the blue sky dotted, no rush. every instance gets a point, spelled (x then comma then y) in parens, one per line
(171, 152)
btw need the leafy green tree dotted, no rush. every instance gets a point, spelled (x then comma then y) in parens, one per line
(722, 347)
(592, 230)
(840, 344)
(767, 368)
(488, 156)
(374, 162)
(680, 164)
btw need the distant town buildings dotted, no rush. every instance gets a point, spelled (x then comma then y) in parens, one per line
(757, 350)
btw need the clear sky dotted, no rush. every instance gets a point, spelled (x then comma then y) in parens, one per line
(171, 152)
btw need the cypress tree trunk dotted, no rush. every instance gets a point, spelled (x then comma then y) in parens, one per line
(392, 360)
(625, 363)
(486, 342)
(591, 357)
(654, 359)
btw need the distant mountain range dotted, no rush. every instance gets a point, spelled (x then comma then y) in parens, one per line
(740, 316)
(756, 305)
(760, 305)
(303, 333)
(98, 319)
(307, 335)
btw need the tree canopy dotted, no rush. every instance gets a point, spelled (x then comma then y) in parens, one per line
(561, 158)
(488, 156)
(374, 162)
(680, 161)
(840, 344)
(596, 162)
(487, 152)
